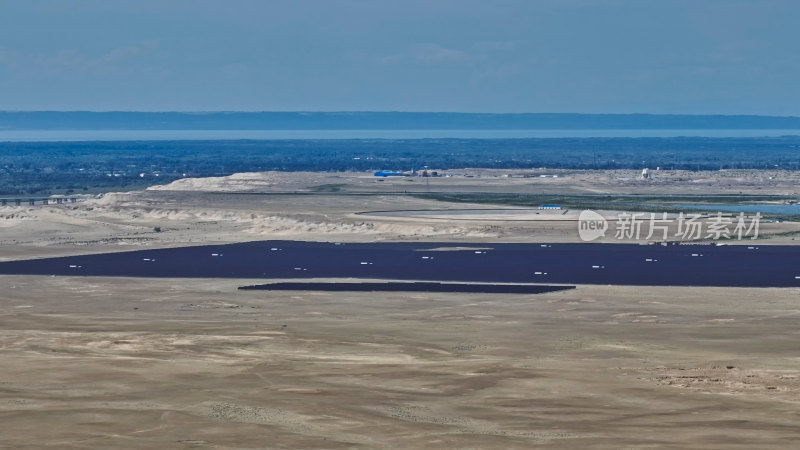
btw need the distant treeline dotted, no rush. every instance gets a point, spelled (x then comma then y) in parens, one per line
(86, 120)
(36, 168)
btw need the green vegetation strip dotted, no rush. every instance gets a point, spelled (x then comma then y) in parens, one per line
(643, 203)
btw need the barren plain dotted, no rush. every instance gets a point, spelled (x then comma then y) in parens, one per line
(111, 363)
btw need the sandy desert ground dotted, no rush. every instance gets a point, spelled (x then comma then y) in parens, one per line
(326, 206)
(778, 182)
(109, 363)
(123, 363)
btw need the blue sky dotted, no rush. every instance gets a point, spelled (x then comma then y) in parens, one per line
(594, 56)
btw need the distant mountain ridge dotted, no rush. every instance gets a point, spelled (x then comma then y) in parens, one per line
(120, 120)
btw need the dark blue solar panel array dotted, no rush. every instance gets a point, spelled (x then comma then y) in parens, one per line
(621, 264)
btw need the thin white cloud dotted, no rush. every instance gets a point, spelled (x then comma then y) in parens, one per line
(8, 57)
(71, 59)
(128, 52)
